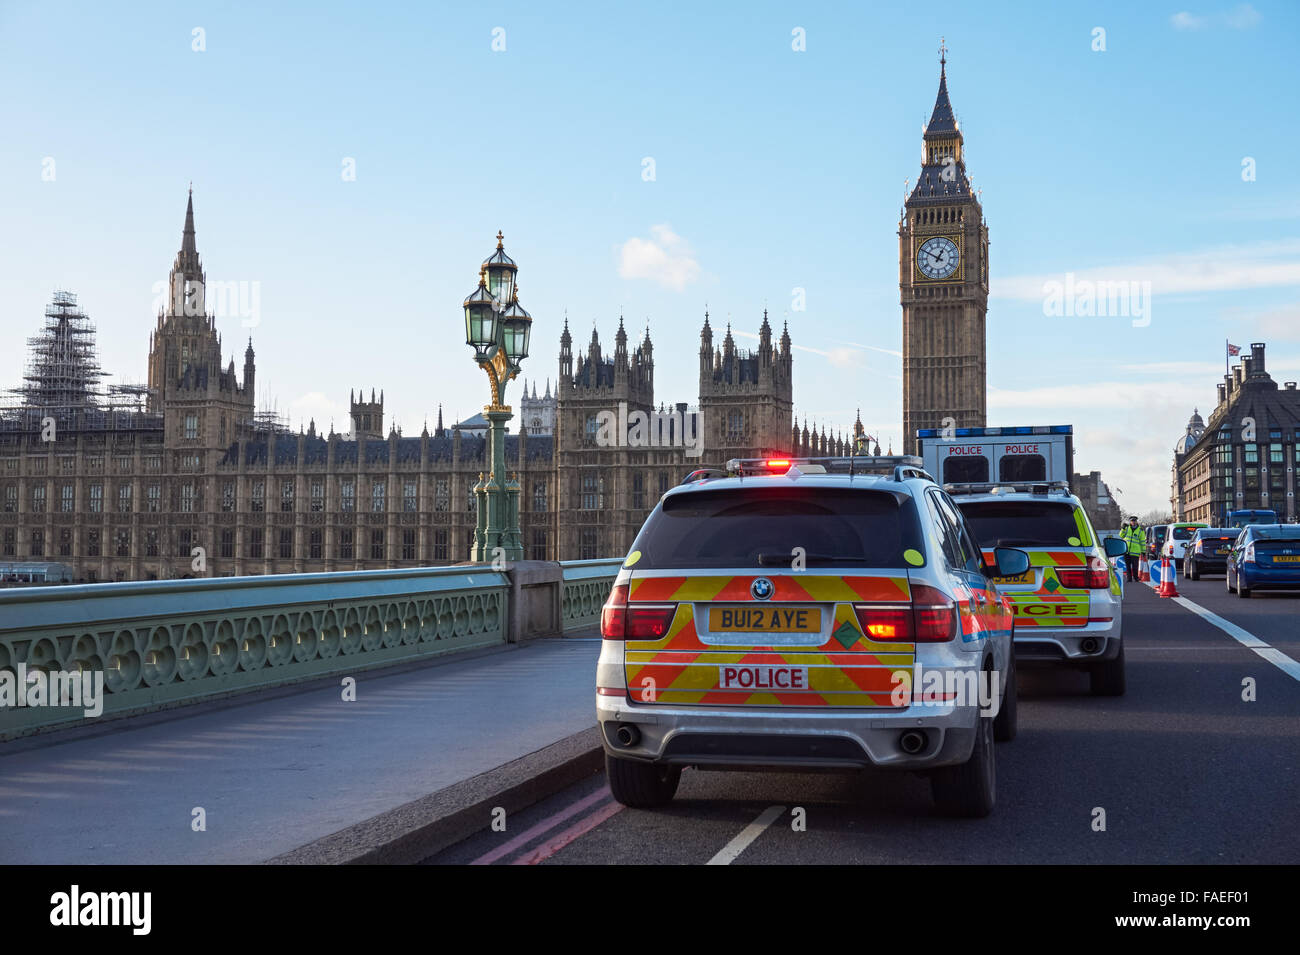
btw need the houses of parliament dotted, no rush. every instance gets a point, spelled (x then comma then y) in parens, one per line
(183, 477)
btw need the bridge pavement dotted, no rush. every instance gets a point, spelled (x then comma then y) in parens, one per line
(273, 773)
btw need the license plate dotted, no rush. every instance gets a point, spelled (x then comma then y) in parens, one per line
(768, 619)
(1026, 578)
(762, 678)
(1224, 550)
(1286, 559)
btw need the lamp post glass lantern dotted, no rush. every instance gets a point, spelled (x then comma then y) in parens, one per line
(498, 328)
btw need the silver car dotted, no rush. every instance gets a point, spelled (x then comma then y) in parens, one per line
(824, 613)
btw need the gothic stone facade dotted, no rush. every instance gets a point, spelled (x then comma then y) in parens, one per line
(196, 486)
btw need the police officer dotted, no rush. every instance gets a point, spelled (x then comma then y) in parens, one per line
(1136, 539)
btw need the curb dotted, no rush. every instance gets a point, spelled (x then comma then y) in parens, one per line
(425, 826)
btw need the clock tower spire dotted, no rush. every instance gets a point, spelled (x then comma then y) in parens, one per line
(943, 282)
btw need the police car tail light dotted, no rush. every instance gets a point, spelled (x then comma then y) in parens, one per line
(613, 616)
(620, 620)
(1198, 547)
(1249, 556)
(885, 622)
(1096, 576)
(934, 615)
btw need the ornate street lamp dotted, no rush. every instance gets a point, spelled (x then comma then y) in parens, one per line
(498, 328)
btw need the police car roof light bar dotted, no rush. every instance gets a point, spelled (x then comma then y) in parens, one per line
(899, 466)
(1019, 487)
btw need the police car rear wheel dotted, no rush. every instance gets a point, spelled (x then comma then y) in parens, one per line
(1004, 725)
(641, 785)
(1192, 573)
(968, 790)
(1107, 678)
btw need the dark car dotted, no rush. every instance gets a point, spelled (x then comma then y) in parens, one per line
(1207, 551)
(1155, 540)
(1265, 557)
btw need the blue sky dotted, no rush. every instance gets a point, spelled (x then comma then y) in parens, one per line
(774, 170)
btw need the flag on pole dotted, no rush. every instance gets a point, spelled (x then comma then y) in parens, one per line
(1234, 350)
(1230, 351)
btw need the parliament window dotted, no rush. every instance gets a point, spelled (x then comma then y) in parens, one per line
(153, 498)
(96, 498)
(122, 542)
(256, 540)
(11, 498)
(539, 545)
(409, 497)
(124, 498)
(590, 494)
(191, 426)
(228, 496)
(441, 495)
(440, 544)
(286, 495)
(92, 543)
(408, 544)
(38, 544)
(10, 542)
(589, 544)
(38, 499)
(376, 544)
(314, 548)
(638, 490)
(66, 498)
(187, 498)
(539, 495)
(151, 543)
(259, 496)
(317, 496)
(286, 543)
(347, 495)
(65, 542)
(377, 491)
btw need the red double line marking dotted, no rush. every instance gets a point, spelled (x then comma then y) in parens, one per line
(606, 807)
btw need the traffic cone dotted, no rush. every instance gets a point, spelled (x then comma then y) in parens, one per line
(1166, 587)
(1144, 569)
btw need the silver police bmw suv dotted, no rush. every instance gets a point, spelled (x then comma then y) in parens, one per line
(821, 613)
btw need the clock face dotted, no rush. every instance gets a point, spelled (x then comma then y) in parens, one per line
(938, 258)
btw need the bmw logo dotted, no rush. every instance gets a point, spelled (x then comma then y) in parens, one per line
(761, 588)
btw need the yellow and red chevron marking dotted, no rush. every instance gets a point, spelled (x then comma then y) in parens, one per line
(681, 669)
(814, 587)
(1047, 558)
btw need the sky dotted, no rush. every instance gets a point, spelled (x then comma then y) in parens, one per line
(352, 163)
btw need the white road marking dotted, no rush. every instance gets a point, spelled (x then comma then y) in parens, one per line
(1247, 639)
(727, 854)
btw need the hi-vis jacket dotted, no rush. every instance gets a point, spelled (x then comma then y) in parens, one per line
(1135, 536)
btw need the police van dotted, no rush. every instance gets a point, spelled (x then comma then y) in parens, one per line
(998, 455)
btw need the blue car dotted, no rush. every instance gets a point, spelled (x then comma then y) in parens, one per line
(1265, 557)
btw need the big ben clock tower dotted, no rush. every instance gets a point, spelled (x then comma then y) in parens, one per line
(943, 281)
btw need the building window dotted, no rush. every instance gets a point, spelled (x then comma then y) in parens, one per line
(10, 542)
(65, 542)
(377, 490)
(408, 544)
(92, 543)
(314, 548)
(589, 432)
(539, 495)
(348, 495)
(38, 499)
(442, 495)
(589, 491)
(96, 498)
(122, 542)
(259, 496)
(151, 543)
(440, 544)
(539, 545)
(184, 538)
(228, 496)
(377, 544)
(409, 497)
(1275, 453)
(638, 490)
(191, 426)
(124, 498)
(153, 498)
(38, 544)
(123, 463)
(1252, 453)
(588, 544)
(187, 498)
(65, 498)
(471, 498)
(663, 483)
(11, 498)
(345, 543)
(286, 543)
(317, 496)
(286, 495)
(256, 540)
(227, 543)
(735, 425)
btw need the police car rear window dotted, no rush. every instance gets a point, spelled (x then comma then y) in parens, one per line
(1021, 523)
(1184, 533)
(762, 526)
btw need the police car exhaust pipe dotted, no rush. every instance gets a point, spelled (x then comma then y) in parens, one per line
(1088, 645)
(912, 742)
(627, 735)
